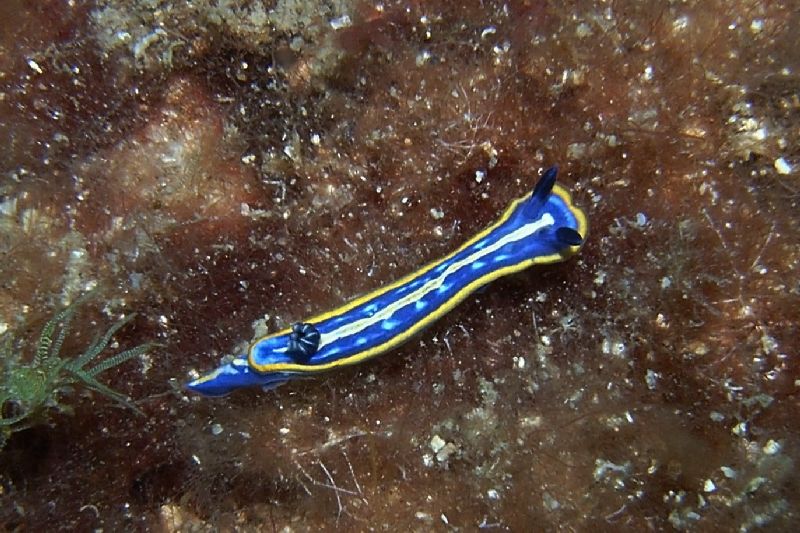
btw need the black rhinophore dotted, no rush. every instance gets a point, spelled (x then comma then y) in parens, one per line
(533, 205)
(568, 236)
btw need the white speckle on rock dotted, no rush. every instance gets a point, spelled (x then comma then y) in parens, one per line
(772, 447)
(600, 277)
(583, 30)
(716, 416)
(782, 166)
(603, 468)
(423, 57)
(651, 378)
(576, 151)
(340, 22)
(35, 66)
(550, 503)
(437, 443)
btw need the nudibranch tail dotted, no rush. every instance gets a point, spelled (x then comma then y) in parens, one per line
(234, 375)
(539, 228)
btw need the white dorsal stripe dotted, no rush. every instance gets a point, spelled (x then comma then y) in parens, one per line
(357, 326)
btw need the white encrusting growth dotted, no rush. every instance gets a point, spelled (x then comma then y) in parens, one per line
(436, 283)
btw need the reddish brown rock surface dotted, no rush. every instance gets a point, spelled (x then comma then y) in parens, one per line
(206, 166)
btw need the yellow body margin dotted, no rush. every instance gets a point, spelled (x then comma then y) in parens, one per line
(443, 309)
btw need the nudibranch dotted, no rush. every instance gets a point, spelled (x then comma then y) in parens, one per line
(541, 227)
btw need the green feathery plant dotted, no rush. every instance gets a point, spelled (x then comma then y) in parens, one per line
(30, 392)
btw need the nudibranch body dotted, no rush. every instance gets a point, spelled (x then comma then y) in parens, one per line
(539, 228)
